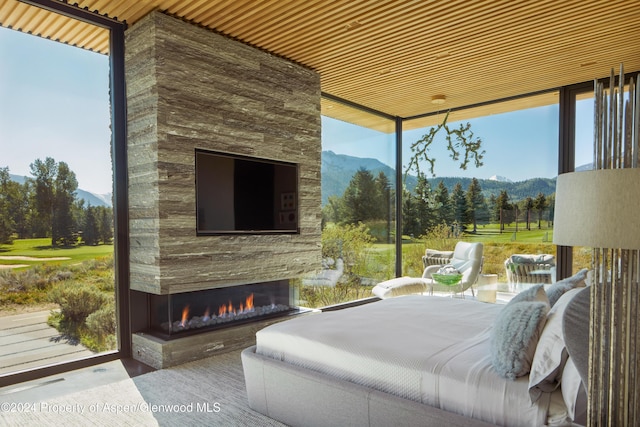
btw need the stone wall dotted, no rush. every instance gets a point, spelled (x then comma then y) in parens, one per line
(188, 88)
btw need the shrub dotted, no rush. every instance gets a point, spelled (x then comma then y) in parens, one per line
(16, 281)
(63, 275)
(349, 242)
(103, 321)
(77, 301)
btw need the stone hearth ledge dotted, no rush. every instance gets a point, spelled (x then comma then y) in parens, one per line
(159, 353)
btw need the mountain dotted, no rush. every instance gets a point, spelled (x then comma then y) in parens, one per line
(90, 198)
(337, 170)
(587, 167)
(499, 178)
(94, 199)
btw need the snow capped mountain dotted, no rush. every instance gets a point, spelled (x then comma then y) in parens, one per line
(499, 178)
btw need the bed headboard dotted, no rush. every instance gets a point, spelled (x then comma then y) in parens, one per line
(575, 328)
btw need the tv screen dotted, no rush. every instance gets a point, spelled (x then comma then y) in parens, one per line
(238, 194)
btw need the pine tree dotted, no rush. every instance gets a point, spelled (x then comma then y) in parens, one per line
(528, 206)
(384, 198)
(360, 198)
(63, 230)
(105, 226)
(424, 210)
(90, 229)
(459, 202)
(442, 204)
(410, 221)
(475, 202)
(42, 196)
(7, 224)
(540, 204)
(503, 208)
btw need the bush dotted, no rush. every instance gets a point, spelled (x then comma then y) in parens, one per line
(16, 281)
(349, 242)
(78, 301)
(100, 333)
(63, 275)
(103, 321)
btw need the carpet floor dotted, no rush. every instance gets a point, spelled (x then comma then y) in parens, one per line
(208, 392)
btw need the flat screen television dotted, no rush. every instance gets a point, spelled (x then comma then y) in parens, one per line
(240, 194)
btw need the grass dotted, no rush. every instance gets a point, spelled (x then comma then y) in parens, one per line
(41, 248)
(497, 248)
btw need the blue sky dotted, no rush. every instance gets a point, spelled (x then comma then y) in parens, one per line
(54, 101)
(519, 145)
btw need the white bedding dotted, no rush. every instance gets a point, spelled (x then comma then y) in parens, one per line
(432, 350)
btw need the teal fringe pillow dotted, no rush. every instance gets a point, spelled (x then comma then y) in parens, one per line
(514, 337)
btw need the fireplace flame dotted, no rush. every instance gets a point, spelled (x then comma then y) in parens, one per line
(185, 316)
(229, 310)
(226, 313)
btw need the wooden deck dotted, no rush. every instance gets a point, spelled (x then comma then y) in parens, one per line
(26, 342)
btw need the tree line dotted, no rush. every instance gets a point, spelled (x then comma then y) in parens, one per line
(370, 199)
(45, 205)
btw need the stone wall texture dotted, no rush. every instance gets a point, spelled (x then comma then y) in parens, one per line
(188, 88)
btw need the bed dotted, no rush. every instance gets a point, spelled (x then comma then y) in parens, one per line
(413, 360)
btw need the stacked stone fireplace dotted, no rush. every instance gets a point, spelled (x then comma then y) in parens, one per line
(188, 90)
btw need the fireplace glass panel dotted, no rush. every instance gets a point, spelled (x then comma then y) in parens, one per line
(187, 313)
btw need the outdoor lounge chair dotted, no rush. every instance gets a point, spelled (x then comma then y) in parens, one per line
(466, 258)
(529, 268)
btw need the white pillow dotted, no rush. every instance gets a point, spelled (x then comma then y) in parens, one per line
(551, 354)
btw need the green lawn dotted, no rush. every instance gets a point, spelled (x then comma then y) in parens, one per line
(41, 248)
(497, 247)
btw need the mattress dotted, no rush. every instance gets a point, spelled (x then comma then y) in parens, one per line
(431, 350)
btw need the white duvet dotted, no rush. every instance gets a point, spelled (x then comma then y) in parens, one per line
(432, 350)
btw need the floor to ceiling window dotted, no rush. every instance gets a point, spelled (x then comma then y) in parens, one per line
(506, 203)
(583, 131)
(57, 281)
(583, 140)
(358, 212)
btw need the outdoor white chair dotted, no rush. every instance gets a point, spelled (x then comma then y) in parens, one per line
(466, 259)
(529, 268)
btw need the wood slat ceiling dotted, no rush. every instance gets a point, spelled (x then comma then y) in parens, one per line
(393, 56)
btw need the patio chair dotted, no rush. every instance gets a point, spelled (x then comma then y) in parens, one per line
(529, 268)
(466, 258)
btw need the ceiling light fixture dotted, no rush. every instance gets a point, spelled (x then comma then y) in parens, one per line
(438, 99)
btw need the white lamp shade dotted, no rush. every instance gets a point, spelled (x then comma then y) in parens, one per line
(598, 209)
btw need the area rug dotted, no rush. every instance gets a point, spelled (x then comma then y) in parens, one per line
(208, 392)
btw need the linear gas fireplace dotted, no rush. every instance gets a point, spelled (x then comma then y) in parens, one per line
(172, 329)
(178, 315)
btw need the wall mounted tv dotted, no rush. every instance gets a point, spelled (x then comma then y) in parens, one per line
(239, 194)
